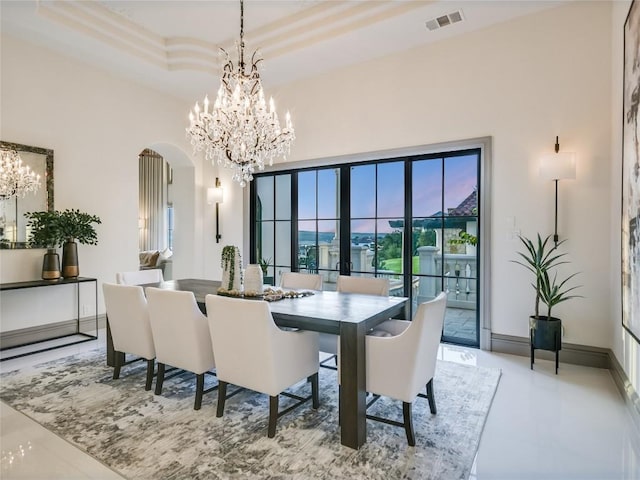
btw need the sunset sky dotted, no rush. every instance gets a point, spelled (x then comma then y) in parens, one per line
(460, 178)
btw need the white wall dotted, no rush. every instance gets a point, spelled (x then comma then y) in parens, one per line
(625, 348)
(231, 215)
(523, 83)
(97, 125)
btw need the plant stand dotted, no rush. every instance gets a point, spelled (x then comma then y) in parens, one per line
(547, 335)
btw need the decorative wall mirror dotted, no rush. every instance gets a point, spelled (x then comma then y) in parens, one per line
(13, 224)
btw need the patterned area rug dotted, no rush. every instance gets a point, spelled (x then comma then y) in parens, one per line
(141, 435)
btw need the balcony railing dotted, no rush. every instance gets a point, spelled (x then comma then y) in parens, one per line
(460, 274)
(459, 270)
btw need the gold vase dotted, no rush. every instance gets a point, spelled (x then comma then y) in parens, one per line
(51, 265)
(70, 267)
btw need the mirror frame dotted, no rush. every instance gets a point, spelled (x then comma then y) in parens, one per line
(48, 181)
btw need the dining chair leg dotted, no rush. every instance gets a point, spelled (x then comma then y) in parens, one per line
(150, 367)
(314, 390)
(408, 423)
(431, 398)
(117, 366)
(160, 379)
(222, 396)
(273, 415)
(199, 391)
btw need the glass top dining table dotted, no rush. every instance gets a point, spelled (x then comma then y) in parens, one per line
(348, 315)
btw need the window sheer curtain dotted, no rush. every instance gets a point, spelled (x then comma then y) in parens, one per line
(152, 201)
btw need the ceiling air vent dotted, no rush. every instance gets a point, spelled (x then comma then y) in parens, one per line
(444, 20)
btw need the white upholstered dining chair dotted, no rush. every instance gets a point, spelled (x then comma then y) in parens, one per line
(364, 285)
(311, 281)
(140, 277)
(401, 365)
(181, 336)
(128, 315)
(252, 352)
(328, 342)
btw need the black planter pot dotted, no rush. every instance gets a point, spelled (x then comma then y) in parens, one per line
(51, 265)
(70, 268)
(546, 334)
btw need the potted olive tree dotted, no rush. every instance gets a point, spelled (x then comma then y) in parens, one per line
(75, 226)
(541, 259)
(45, 233)
(63, 229)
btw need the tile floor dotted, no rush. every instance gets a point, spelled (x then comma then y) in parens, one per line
(460, 323)
(541, 426)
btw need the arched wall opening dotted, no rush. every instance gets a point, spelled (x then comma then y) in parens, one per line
(183, 199)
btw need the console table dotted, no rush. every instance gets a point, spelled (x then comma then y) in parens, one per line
(48, 283)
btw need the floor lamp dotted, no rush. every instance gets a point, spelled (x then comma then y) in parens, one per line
(558, 166)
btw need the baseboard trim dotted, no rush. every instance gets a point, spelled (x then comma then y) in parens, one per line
(629, 394)
(571, 353)
(578, 355)
(44, 332)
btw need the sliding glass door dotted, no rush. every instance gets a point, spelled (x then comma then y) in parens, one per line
(412, 220)
(444, 221)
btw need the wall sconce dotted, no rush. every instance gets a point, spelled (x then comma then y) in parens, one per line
(214, 195)
(141, 223)
(558, 166)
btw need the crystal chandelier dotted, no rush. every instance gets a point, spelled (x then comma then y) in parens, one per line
(16, 179)
(240, 131)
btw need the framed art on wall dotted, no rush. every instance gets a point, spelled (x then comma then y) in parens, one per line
(631, 175)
